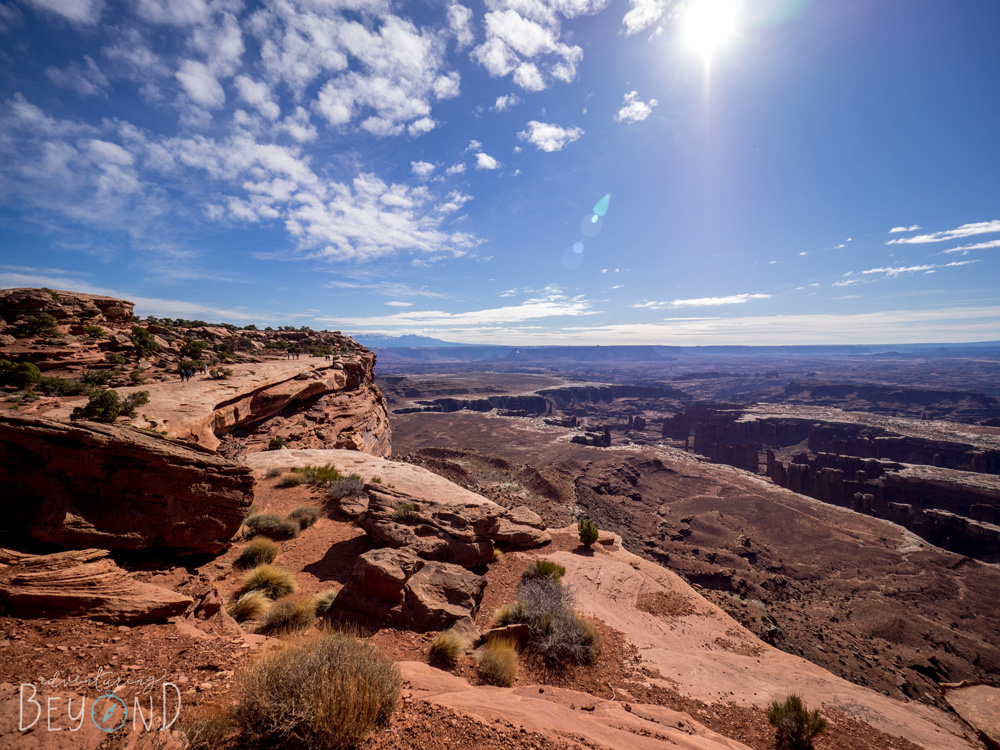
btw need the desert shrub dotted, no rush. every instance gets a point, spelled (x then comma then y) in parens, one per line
(113, 358)
(276, 444)
(446, 648)
(272, 526)
(323, 691)
(52, 293)
(320, 474)
(95, 332)
(18, 374)
(288, 616)
(273, 472)
(61, 387)
(404, 512)
(248, 606)
(135, 377)
(588, 532)
(143, 342)
(305, 516)
(193, 349)
(544, 569)
(106, 406)
(291, 480)
(323, 601)
(208, 727)
(260, 551)
(557, 633)
(796, 726)
(498, 662)
(98, 377)
(270, 580)
(376, 479)
(351, 486)
(42, 324)
(220, 373)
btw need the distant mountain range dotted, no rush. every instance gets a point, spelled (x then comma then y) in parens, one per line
(384, 341)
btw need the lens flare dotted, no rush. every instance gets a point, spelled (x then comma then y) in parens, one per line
(709, 24)
(601, 207)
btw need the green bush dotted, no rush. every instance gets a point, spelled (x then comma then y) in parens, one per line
(288, 616)
(220, 373)
(588, 532)
(323, 601)
(98, 377)
(106, 406)
(95, 332)
(796, 726)
(544, 569)
(276, 444)
(291, 480)
(59, 387)
(305, 516)
(446, 648)
(248, 605)
(270, 580)
(193, 349)
(143, 342)
(114, 358)
(135, 377)
(260, 551)
(42, 324)
(320, 474)
(18, 374)
(273, 526)
(404, 512)
(498, 662)
(323, 691)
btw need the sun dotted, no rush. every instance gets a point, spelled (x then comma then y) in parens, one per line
(709, 24)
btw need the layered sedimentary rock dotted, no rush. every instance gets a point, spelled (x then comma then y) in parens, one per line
(81, 583)
(84, 484)
(66, 307)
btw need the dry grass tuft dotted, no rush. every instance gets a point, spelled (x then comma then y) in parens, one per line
(270, 580)
(498, 662)
(292, 479)
(323, 601)
(208, 727)
(446, 648)
(288, 616)
(272, 526)
(321, 691)
(248, 606)
(544, 569)
(305, 516)
(260, 551)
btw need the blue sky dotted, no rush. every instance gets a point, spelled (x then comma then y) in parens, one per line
(514, 172)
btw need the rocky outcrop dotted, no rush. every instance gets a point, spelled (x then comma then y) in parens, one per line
(397, 586)
(599, 437)
(66, 307)
(81, 583)
(979, 707)
(84, 484)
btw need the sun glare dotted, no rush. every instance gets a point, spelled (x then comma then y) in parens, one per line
(709, 24)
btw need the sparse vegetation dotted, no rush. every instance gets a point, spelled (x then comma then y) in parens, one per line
(273, 472)
(323, 691)
(404, 512)
(208, 728)
(796, 726)
(273, 526)
(220, 373)
(588, 532)
(42, 324)
(113, 358)
(352, 486)
(288, 616)
(305, 516)
(106, 406)
(446, 648)
(376, 479)
(320, 474)
(143, 342)
(291, 479)
(272, 581)
(544, 569)
(498, 662)
(193, 349)
(248, 606)
(557, 633)
(323, 601)
(276, 443)
(95, 332)
(260, 551)
(18, 374)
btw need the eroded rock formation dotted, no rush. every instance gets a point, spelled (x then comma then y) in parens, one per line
(84, 484)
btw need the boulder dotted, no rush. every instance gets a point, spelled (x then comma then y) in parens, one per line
(516, 535)
(85, 484)
(465, 628)
(398, 587)
(979, 707)
(81, 583)
(65, 307)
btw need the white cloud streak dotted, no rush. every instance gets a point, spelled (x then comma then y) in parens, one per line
(913, 228)
(633, 109)
(548, 137)
(735, 299)
(966, 230)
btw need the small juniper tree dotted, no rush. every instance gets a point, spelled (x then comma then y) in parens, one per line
(588, 532)
(143, 342)
(796, 726)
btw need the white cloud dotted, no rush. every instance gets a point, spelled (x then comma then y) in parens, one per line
(200, 84)
(505, 102)
(643, 13)
(913, 228)
(485, 161)
(421, 169)
(84, 12)
(524, 39)
(966, 230)
(548, 137)
(397, 303)
(456, 168)
(634, 109)
(257, 94)
(173, 12)
(10, 18)
(977, 246)
(900, 270)
(736, 299)
(298, 126)
(460, 24)
(86, 79)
